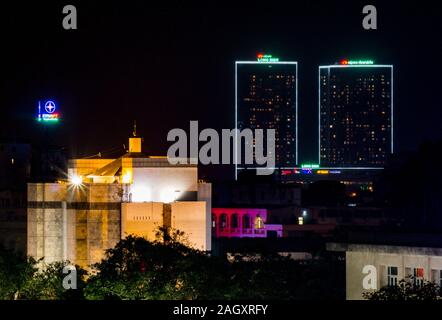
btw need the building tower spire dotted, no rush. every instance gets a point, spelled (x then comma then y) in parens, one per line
(134, 141)
(134, 133)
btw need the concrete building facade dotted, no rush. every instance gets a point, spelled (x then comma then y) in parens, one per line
(106, 200)
(389, 264)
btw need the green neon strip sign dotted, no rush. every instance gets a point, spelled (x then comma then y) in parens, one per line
(309, 166)
(267, 58)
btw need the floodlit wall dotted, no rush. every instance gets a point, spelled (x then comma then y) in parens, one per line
(205, 194)
(83, 167)
(45, 223)
(72, 223)
(163, 184)
(141, 219)
(382, 257)
(192, 218)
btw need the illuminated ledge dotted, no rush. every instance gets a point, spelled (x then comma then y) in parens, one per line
(320, 168)
(391, 249)
(162, 162)
(266, 62)
(357, 66)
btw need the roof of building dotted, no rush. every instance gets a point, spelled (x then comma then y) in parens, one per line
(411, 243)
(428, 251)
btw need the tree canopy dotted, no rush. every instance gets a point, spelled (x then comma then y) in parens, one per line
(407, 289)
(168, 269)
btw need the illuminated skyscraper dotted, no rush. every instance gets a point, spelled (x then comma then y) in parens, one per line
(355, 114)
(266, 98)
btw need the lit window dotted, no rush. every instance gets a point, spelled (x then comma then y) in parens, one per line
(223, 221)
(436, 277)
(246, 222)
(440, 278)
(418, 274)
(234, 221)
(392, 275)
(259, 223)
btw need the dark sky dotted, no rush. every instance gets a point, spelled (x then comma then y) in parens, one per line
(166, 65)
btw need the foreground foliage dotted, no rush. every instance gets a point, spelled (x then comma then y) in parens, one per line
(406, 289)
(26, 278)
(167, 268)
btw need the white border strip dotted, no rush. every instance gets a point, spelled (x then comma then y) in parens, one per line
(320, 168)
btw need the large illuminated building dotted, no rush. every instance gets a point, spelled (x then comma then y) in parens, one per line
(355, 114)
(243, 223)
(266, 98)
(106, 200)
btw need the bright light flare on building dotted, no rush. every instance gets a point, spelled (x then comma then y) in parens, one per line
(168, 195)
(76, 180)
(140, 193)
(127, 178)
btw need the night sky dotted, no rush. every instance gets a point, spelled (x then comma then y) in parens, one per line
(166, 65)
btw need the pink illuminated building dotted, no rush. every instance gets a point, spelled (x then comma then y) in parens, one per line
(243, 223)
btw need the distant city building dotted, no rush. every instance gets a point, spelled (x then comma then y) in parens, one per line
(256, 194)
(106, 200)
(266, 98)
(355, 114)
(15, 165)
(15, 171)
(49, 163)
(13, 220)
(351, 178)
(243, 223)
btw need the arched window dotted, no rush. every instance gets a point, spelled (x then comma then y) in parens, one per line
(246, 221)
(259, 223)
(223, 221)
(234, 222)
(213, 221)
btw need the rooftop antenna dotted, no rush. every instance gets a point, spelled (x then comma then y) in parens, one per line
(134, 133)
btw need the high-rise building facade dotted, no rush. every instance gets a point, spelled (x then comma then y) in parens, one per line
(266, 93)
(355, 114)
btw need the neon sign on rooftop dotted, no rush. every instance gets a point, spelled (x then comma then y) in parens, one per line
(266, 58)
(356, 62)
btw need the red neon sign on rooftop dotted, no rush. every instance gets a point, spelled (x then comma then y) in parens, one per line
(266, 58)
(355, 62)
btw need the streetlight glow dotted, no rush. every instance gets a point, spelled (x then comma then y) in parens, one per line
(76, 180)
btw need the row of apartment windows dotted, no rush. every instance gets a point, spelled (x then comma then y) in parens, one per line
(224, 222)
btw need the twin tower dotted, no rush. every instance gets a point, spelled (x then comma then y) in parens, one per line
(354, 110)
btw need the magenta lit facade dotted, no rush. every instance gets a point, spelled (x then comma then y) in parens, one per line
(242, 223)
